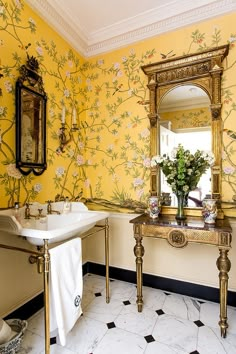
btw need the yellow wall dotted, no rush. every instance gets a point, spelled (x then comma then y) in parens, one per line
(109, 157)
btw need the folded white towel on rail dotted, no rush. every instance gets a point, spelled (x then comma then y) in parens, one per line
(66, 287)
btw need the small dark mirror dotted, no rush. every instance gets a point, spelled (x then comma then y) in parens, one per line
(30, 120)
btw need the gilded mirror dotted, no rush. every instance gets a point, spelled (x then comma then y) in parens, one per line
(203, 71)
(30, 120)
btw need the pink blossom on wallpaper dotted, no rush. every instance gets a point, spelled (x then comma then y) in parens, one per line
(117, 65)
(80, 160)
(229, 170)
(8, 86)
(81, 145)
(67, 93)
(100, 61)
(115, 178)
(37, 187)
(119, 73)
(39, 50)
(12, 171)
(129, 164)
(138, 182)
(60, 171)
(147, 162)
(145, 133)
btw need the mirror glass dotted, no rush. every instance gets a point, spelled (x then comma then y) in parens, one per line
(185, 118)
(32, 127)
(30, 120)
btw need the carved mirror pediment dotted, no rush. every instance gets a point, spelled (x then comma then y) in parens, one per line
(201, 72)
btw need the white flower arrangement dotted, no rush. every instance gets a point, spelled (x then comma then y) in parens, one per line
(183, 169)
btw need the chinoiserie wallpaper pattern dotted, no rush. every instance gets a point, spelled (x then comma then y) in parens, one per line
(106, 160)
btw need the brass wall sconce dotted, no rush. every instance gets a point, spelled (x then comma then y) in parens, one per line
(63, 137)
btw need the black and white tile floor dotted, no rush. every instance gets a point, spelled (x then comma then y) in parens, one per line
(169, 324)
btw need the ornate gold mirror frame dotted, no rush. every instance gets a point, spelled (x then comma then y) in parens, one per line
(203, 69)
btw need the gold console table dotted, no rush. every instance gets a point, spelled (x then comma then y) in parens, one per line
(191, 230)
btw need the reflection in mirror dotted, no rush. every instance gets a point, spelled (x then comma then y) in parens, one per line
(185, 118)
(31, 127)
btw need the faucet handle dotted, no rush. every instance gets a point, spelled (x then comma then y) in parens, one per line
(40, 212)
(49, 201)
(49, 206)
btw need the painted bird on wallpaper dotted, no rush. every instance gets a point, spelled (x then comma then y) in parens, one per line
(117, 89)
(231, 134)
(168, 55)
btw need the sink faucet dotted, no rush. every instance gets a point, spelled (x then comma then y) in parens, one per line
(27, 211)
(49, 208)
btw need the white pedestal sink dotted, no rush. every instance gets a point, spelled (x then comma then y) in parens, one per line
(54, 227)
(51, 229)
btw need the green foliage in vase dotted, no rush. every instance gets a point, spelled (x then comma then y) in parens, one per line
(183, 169)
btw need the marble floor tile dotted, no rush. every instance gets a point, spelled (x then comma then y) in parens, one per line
(99, 310)
(118, 341)
(94, 283)
(182, 306)
(209, 314)
(36, 323)
(31, 343)
(121, 290)
(152, 298)
(210, 341)
(176, 332)
(137, 322)
(160, 348)
(57, 349)
(168, 324)
(85, 335)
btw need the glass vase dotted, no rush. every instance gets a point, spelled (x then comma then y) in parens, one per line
(180, 209)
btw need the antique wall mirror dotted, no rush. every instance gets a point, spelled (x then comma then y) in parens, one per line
(30, 120)
(189, 83)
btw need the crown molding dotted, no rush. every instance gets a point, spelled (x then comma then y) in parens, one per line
(67, 30)
(114, 37)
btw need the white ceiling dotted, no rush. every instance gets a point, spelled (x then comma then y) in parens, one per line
(97, 26)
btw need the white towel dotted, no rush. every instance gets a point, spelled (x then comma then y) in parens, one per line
(66, 287)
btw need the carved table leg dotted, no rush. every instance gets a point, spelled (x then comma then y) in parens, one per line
(224, 265)
(139, 252)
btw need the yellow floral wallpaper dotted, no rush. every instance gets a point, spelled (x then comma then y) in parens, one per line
(107, 160)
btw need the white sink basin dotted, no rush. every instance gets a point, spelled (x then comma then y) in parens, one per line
(54, 228)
